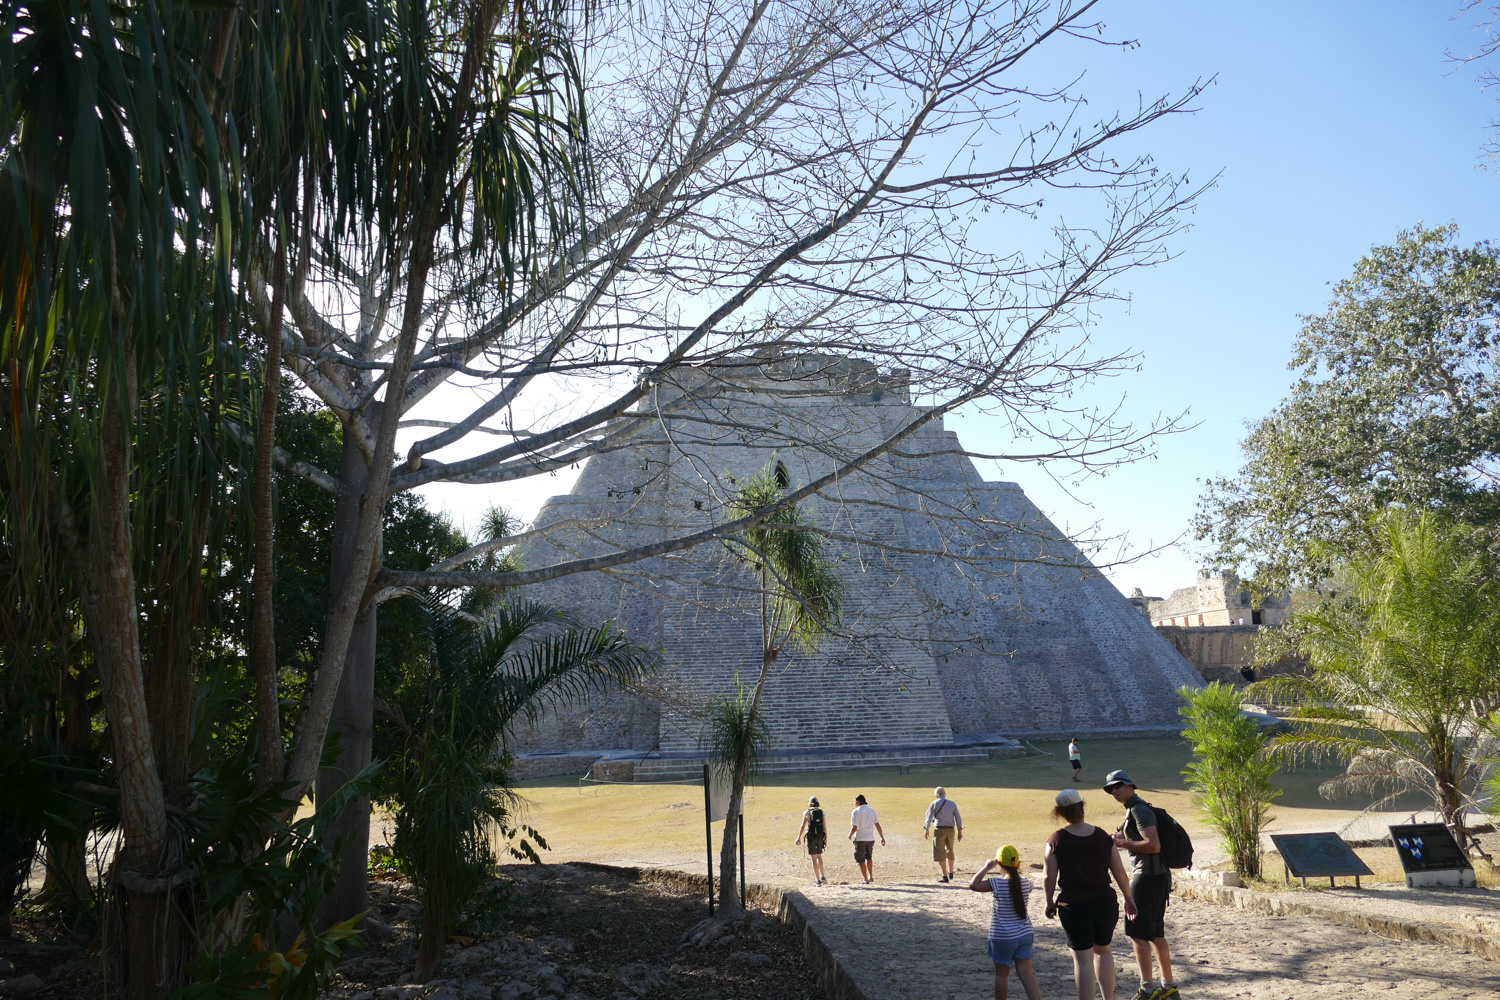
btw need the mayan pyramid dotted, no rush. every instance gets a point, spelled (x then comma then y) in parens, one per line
(970, 622)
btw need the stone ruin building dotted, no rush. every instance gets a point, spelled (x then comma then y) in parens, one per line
(971, 622)
(1215, 624)
(1215, 599)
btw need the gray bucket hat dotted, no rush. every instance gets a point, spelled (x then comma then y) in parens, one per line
(1114, 778)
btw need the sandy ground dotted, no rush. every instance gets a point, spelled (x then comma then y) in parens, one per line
(911, 941)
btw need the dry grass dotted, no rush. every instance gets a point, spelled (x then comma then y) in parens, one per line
(1002, 801)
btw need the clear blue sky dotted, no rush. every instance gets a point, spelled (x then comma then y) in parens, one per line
(1335, 125)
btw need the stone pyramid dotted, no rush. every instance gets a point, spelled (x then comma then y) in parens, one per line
(970, 622)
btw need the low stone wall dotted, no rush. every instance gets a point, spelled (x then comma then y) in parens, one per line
(552, 764)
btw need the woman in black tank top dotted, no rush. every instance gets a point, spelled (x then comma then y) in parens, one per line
(1081, 859)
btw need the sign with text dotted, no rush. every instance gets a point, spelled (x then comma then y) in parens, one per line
(1320, 855)
(1427, 847)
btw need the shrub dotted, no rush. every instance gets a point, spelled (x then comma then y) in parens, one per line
(1230, 771)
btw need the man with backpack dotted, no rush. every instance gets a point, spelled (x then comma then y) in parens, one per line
(1150, 883)
(943, 814)
(815, 828)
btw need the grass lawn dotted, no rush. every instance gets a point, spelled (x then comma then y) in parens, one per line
(1002, 801)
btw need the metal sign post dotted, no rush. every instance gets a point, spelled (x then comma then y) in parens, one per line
(708, 830)
(742, 858)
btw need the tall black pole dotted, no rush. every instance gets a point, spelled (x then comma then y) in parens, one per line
(742, 859)
(708, 830)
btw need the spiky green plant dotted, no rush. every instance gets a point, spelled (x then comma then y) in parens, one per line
(450, 787)
(734, 736)
(801, 594)
(1230, 771)
(1402, 670)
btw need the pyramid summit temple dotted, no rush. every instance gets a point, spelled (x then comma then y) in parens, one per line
(970, 622)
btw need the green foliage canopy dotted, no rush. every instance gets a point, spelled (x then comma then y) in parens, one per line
(1397, 402)
(1405, 671)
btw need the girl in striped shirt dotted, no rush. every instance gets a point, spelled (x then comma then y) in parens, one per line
(1011, 938)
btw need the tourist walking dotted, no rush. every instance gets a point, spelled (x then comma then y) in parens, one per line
(1012, 941)
(943, 826)
(1080, 859)
(1075, 757)
(863, 827)
(1150, 884)
(815, 829)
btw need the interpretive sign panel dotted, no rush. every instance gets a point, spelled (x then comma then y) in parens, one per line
(1427, 847)
(1318, 855)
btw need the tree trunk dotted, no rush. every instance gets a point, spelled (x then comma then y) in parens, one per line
(106, 583)
(729, 889)
(354, 708)
(432, 938)
(269, 754)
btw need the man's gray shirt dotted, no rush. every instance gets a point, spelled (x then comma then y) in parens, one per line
(1138, 816)
(944, 813)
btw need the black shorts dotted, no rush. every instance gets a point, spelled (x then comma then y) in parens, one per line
(1077, 764)
(1090, 922)
(815, 845)
(864, 850)
(1151, 893)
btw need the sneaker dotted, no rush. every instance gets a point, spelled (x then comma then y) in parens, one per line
(1168, 993)
(1148, 992)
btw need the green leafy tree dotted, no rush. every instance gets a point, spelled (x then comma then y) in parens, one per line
(1230, 770)
(800, 595)
(1405, 669)
(1397, 401)
(448, 783)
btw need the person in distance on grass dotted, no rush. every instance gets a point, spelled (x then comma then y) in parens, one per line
(863, 826)
(1080, 859)
(943, 814)
(1150, 884)
(1075, 757)
(1012, 941)
(816, 829)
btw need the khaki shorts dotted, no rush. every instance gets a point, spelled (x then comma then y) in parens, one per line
(942, 843)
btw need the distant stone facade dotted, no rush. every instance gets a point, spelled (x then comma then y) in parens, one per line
(1226, 652)
(1216, 599)
(969, 617)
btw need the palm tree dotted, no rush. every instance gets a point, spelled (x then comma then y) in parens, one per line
(449, 788)
(801, 594)
(169, 173)
(1402, 669)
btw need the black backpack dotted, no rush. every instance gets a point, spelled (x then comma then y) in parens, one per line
(1176, 845)
(815, 823)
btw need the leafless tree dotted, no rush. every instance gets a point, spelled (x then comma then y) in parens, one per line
(803, 178)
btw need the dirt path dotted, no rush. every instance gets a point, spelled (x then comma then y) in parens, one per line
(918, 941)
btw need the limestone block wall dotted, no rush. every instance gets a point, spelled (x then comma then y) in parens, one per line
(1218, 652)
(967, 610)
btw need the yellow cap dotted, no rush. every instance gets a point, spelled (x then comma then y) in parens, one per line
(1008, 856)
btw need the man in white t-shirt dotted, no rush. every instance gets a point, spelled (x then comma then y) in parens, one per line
(863, 826)
(1075, 757)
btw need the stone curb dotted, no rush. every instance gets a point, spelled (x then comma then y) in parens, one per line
(1401, 930)
(791, 908)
